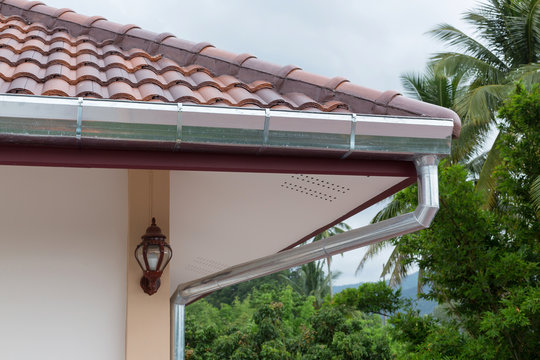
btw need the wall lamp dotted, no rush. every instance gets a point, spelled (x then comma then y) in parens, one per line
(153, 254)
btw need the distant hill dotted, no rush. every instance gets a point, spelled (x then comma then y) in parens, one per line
(408, 291)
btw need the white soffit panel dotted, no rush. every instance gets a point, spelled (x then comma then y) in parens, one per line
(221, 219)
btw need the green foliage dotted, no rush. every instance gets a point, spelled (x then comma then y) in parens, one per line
(374, 298)
(489, 279)
(280, 323)
(240, 291)
(520, 151)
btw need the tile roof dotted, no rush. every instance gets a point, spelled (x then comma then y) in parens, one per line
(49, 51)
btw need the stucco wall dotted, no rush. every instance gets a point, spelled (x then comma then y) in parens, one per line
(62, 263)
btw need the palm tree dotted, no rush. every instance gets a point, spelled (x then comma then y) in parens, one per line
(311, 280)
(334, 230)
(473, 81)
(506, 48)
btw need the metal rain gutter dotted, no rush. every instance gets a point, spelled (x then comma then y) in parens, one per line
(420, 218)
(87, 123)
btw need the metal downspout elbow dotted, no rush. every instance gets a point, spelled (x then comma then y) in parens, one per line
(428, 189)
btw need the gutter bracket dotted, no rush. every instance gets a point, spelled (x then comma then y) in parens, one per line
(178, 140)
(266, 129)
(352, 138)
(78, 130)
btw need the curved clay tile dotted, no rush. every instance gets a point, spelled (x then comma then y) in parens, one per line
(23, 85)
(212, 51)
(61, 57)
(307, 77)
(212, 95)
(6, 71)
(60, 12)
(26, 5)
(181, 93)
(90, 73)
(139, 62)
(89, 21)
(300, 100)
(115, 61)
(122, 90)
(27, 69)
(269, 96)
(55, 70)
(58, 87)
(88, 88)
(201, 78)
(161, 37)
(190, 69)
(334, 82)
(89, 59)
(151, 91)
(259, 84)
(143, 75)
(227, 81)
(333, 105)
(87, 46)
(172, 77)
(241, 58)
(166, 64)
(242, 96)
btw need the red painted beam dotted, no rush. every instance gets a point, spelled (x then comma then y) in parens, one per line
(125, 159)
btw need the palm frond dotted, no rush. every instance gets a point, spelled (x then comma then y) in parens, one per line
(395, 207)
(371, 252)
(455, 62)
(396, 267)
(528, 75)
(420, 281)
(535, 195)
(474, 166)
(413, 84)
(481, 102)
(461, 41)
(470, 140)
(487, 183)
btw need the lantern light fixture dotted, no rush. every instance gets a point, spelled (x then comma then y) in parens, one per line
(153, 254)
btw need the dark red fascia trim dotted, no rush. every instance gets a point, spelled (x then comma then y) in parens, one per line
(129, 159)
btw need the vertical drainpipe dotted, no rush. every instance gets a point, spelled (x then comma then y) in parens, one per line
(178, 322)
(420, 218)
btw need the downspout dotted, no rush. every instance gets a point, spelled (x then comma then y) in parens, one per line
(420, 218)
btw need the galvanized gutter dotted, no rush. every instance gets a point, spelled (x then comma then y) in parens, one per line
(428, 205)
(116, 124)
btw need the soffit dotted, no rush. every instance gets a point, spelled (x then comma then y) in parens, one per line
(219, 219)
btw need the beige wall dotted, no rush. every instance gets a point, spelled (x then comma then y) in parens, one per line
(63, 263)
(147, 331)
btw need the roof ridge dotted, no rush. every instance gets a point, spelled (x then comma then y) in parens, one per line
(248, 68)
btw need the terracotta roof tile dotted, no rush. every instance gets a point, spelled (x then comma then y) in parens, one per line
(49, 51)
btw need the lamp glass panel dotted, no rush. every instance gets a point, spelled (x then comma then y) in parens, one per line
(139, 256)
(152, 254)
(167, 254)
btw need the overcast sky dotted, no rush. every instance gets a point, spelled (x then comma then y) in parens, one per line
(368, 42)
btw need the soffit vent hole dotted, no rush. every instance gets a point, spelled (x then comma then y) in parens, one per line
(205, 266)
(315, 187)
